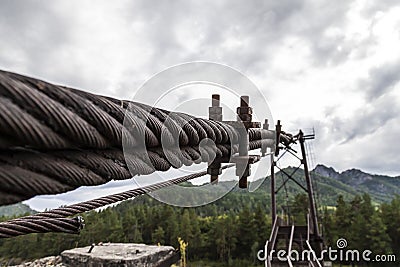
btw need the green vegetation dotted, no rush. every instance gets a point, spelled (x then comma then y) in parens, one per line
(211, 233)
(15, 210)
(228, 232)
(365, 226)
(216, 234)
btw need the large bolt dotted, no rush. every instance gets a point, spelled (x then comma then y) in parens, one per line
(215, 100)
(244, 113)
(278, 129)
(214, 170)
(266, 125)
(243, 171)
(244, 101)
(91, 248)
(215, 114)
(263, 145)
(215, 111)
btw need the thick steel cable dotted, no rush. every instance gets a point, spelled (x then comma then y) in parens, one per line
(26, 173)
(43, 116)
(54, 139)
(56, 221)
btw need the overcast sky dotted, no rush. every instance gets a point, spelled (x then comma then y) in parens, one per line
(332, 65)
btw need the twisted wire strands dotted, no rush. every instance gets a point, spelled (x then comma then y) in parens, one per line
(56, 221)
(54, 139)
(19, 227)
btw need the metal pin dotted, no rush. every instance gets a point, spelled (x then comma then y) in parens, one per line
(91, 248)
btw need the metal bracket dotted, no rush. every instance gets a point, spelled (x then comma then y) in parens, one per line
(215, 113)
(243, 123)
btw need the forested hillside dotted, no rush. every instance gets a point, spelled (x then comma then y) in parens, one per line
(15, 210)
(230, 231)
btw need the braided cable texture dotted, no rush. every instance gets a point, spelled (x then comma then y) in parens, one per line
(56, 221)
(54, 139)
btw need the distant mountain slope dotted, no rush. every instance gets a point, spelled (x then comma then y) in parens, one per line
(15, 210)
(326, 189)
(329, 184)
(381, 188)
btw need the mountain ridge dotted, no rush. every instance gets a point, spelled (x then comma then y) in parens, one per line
(16, 209)
(382, 188)
(329, 184)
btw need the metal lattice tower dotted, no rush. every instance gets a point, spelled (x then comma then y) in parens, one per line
(286, 235)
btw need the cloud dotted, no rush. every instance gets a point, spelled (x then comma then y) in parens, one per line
(368, 119)
(325, 64)
(381, 79)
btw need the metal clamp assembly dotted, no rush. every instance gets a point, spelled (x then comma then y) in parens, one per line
(242, 125)
(215, 114)
(215, 111)
(264, 145)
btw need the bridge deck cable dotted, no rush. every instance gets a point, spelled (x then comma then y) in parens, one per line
(54, 139)
(56, 220)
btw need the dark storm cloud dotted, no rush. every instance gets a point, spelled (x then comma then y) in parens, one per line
(370, 137)
(261, 26)
(386, 146)
(40, 31)
(381, 80)
(52, 40)
(372, 7)
(366, 120)
(35, 32)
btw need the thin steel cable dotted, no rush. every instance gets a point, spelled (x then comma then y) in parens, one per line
(19, 227)
(107, 200)
(56, 221)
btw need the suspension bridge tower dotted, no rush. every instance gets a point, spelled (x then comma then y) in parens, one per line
(291, 244)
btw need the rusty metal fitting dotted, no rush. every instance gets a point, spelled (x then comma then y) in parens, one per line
(244, 160)
(243, 167)
(215, 111)
(263, 135)
(243, 171)
(215, 100)
(243, 124)
(214, 170)
(278, 129)
(91, 248)
(244, 101)
(215, 114)
(245, 117)
(266, 124)
(244, 112)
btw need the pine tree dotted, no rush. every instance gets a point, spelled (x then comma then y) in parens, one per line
(342, 219)
(299, 209)
(391, 218)
(186, 226)
(261, 225)
(172, 230)
(246, 233)
(158, 236)
(219, 237)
